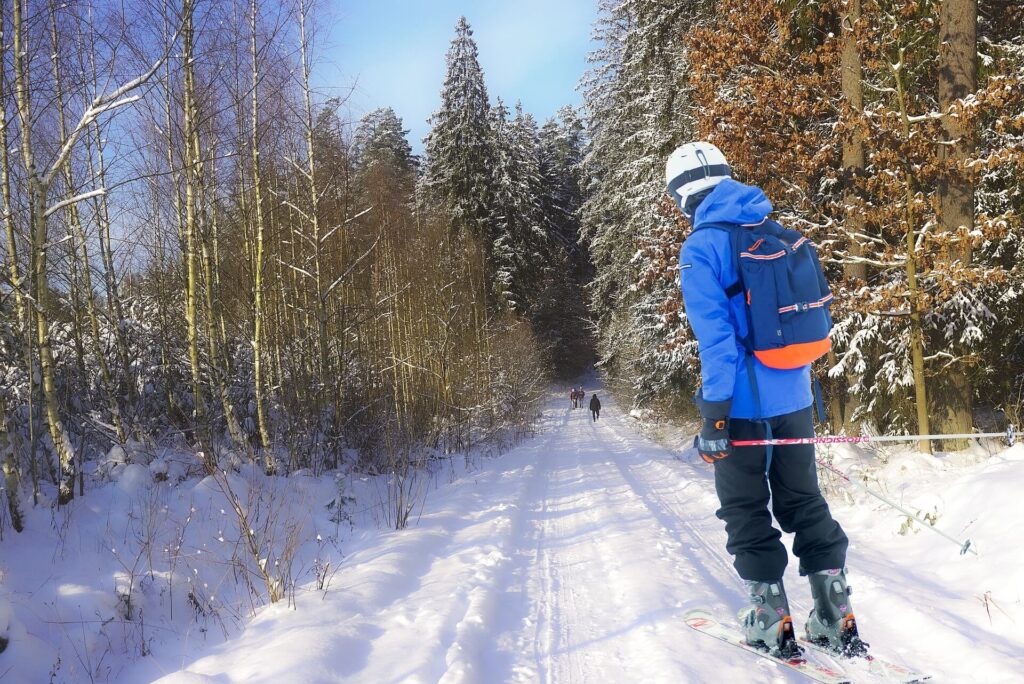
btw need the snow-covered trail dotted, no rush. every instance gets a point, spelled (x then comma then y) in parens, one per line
(570, 559)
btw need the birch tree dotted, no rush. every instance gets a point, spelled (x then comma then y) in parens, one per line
(258, 259)
(79, 239)
(190, 217)
(40, 175)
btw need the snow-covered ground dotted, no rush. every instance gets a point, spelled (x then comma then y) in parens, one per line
(571, 558)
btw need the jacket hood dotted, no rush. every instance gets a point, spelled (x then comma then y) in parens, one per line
(733, 202)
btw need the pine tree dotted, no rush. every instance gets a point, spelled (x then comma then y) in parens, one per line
(459, 149)
(560, 159)
(518, 248)
(382, 139)
(383, 154)
(636, 102)
(1000, 193)
(559, 312)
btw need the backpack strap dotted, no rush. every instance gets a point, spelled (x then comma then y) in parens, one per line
(737, 287)
(735, 230)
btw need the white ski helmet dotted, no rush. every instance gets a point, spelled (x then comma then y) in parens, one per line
(694, 167)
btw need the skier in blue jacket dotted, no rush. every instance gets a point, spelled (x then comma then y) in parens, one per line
(735, 407)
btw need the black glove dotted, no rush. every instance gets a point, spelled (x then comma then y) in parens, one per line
(713, 441)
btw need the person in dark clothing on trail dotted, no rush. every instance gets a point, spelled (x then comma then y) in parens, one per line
(577, 397)
(595, 407)
(572, 397)
(742, 398)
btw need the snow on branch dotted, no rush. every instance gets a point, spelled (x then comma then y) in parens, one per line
(930, 116)
(297, 269)
(74, 200)
(349, 270)
(291, 205)
(347, 221)
(102, 104)
(299, 168)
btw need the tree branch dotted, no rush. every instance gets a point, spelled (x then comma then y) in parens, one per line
(102, 104)
(74, 200)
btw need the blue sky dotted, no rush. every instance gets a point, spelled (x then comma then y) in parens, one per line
(532, 50)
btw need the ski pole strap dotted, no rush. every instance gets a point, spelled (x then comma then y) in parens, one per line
(819, 403)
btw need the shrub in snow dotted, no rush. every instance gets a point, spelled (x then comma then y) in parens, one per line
(341, 501)
(158, 468)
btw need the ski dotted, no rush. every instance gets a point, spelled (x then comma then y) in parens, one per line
(880, 667)
(703, 621)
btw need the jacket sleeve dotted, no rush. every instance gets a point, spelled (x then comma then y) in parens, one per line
(707, 309)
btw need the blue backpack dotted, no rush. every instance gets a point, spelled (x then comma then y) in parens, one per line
(787, 297)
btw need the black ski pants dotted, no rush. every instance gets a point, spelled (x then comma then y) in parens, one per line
(597, 414)
(791, 485)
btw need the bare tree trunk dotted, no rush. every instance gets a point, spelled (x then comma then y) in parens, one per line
(916, 336)
(13, 266)
(38, 188)
(192, 238)
(12, 473)
(114, 304)
(23, 311)
(179, 216)
(163, 319)
(210, 265)
(59, 435)
(258, 257)
(75, 297)
(314, 202)
(958, 78)
(75, 222)
(845, 404)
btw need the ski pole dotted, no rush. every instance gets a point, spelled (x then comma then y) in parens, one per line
(965, 545)
(1010, 435)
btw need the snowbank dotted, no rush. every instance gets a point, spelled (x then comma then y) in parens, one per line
(571, 558)
(151, 564)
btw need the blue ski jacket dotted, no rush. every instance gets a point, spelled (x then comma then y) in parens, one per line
(719, 323)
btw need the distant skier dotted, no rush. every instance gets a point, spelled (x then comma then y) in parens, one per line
(572, 397)
(595, 407)
(583, 395)
(751, 394)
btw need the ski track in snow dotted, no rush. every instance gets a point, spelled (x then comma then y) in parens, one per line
(570, 559)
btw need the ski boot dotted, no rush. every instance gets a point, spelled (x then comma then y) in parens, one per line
(831, 623)
(766, 622)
